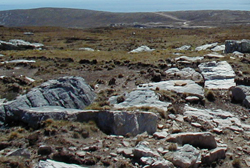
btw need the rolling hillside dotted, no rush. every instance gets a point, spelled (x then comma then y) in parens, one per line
(80, 18)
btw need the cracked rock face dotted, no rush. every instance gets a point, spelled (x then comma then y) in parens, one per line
(218, 75)
(67, 92)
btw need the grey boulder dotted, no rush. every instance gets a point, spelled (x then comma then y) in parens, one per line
(67, 92)
(242, 46)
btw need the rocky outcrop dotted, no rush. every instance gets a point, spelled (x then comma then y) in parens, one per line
(242, 46)
(202, 139)
(141, 97)
(206, 46)
(142, 49)
(186, 156)
(179, 86)
(19, 45)
(218, 75)
(54, 164)
(67, 92)
(241, 94)
(110, 122)
(185, 73)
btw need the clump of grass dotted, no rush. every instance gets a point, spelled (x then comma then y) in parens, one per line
(172, 147)
(13, 135)
(236, 163)
(210, 95)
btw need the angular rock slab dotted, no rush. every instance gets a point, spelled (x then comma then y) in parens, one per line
(67, 92)
(16, 44)
(206, 46)
(142, 49)
(218, 75)
(242, 46)
(197, 139)
(179, 86)
(54, 164)
(186, 156)
(110, 122)
(124, 123)
(142, 97)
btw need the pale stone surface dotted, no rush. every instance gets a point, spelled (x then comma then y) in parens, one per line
(16, 44)
(219, 48)
(186, 156)
(142, 150)
(142, 49)
(18, 61)
(214, 155)
(68, 92)
(185, 47)
(54, 164)
(218, 75)
(186, 86)
(86, 49)
(189, 59)
(198, 139)
(206, 46)
(214, 55)
(162, 164)
(142, 97)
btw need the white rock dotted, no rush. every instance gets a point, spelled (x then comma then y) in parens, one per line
(162, 164)
(142, 49)
(219, 48)
(214, 55)
(19, 61)
(86, 49)
(218, 75)
(206, 46)
(179, 86)
(186, 156)
(54, 164)
(189, 59)
(185, 47)
(141, 150)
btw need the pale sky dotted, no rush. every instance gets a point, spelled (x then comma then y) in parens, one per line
(130, 5)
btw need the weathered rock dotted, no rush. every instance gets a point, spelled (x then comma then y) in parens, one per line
(185, 47)
(214, 55)
(86, 49)
(189, 59)
(186, 156)
(19, 45)
(18, 61)
(141, 97)
(197, 139)
(142, 150)
(142, 49)
(241, 94)
(206, 46)
(179, 86)
(218, 75)
(214, 155)
(54, 164)
(126, 152)
(20, 152)
(162, 164)
(68, 92)
(219, 48)
(123, 123)
(241, 46)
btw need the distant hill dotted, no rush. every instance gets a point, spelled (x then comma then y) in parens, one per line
(81, 18)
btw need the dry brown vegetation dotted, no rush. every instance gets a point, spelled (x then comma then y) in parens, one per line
(62, 57)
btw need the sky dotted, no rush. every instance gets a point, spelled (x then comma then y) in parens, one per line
(129, 5)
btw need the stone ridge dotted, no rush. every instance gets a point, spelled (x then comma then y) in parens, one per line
(67, 92)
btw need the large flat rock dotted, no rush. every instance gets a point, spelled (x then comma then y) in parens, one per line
(110, 122)
(218, 75)
(142, 97)
(242, 46)
(179, 86)
(67, 92)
